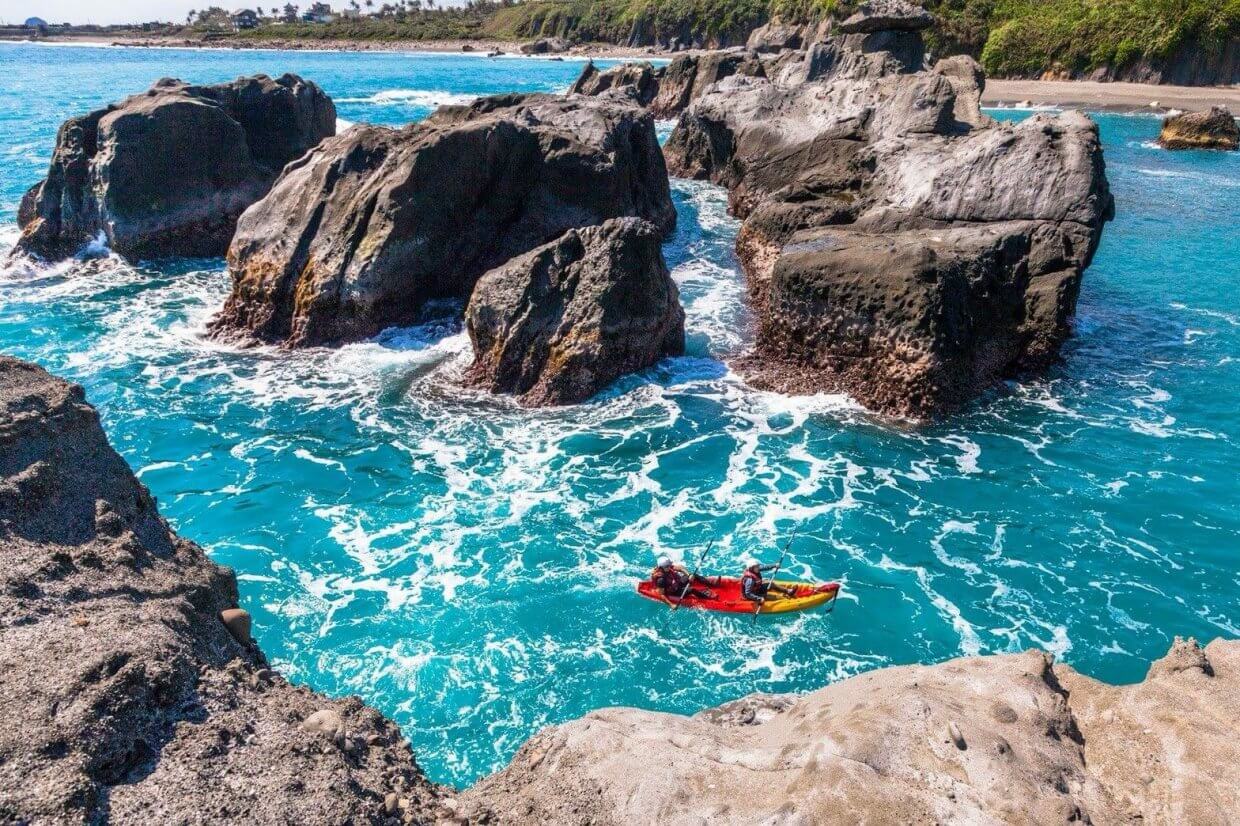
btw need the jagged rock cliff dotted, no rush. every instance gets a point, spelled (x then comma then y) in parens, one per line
(169, 171)
(125, 697)
(560, 323)
(900, 245)
(1001, 739)
(362, 231)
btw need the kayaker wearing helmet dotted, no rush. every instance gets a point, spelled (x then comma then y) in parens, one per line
(671, 581)
(752, 586)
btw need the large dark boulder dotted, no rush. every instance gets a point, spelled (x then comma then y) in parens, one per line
(361, 232)
(127, 698)
(558, 324)
(168, 172)
(899, 244)
(913, 322)
(1213, 129)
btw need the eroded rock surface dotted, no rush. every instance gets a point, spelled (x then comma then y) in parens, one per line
(1009, 739)
(687, 77)
(900, 245)
(126, 698)
(561, 322)
(1213, 129)
(638, 82)
(361, 232)
(168, 172)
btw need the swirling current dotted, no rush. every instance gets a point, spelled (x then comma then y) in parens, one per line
(467, 566)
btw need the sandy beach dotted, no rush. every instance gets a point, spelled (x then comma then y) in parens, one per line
(1112, 97)
(602, 51)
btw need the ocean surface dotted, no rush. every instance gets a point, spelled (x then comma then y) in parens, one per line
(468, 567)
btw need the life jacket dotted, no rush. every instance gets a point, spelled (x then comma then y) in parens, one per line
(672, 579)
(749, 581)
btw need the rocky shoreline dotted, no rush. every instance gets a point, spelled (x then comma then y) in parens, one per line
(134, 693)
(900, 246)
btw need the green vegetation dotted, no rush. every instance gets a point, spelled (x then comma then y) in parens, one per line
(635, 21)
(1010, 37)
(1029, 37)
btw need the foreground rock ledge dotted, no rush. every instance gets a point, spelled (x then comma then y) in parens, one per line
(563, 321)
(168, 172)
(125, 697)
(363, 231)
(128, 700)
(1000, 739)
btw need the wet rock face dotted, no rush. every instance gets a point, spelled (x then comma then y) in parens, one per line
(1215, 129)
(914, 322)
(169, 172)
(637, 82)
(900, 245)
(994, 739)
(561, 322)
(126, 697)
(362, 231)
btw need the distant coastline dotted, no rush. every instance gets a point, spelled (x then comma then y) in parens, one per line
(585, 51)
(1073, 94)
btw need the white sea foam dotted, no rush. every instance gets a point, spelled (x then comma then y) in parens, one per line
(430, 98)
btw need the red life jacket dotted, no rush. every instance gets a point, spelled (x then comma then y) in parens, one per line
(670, 581)
(751, 574)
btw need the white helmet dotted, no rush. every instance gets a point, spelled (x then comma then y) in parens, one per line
(665, 562)
(751, 562)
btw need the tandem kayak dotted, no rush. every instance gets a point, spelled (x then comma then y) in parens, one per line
(728, 597)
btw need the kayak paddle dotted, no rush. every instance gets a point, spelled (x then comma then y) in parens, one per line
(774, 573)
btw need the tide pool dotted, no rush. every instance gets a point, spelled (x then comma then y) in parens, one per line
(467, 567)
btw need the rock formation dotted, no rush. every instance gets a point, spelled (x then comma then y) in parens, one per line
(545, 45)
(775, 36)
(168, 172)
(556, 325)
(361, 232)
(688, 76)
(900, 245)
(126, 697)
(1215, 129)
(1001, 739)
(639, 82)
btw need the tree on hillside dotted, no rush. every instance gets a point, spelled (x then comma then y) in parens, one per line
(189, 18)
(290, 13)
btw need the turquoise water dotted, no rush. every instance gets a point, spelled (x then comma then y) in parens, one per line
(467, 567)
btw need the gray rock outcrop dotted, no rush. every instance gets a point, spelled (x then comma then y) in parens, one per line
(638, 82)
(126, 698)
(1212, 129)
(558, 324)
(687, 77)
(168, 172)
(546, 45)
(900, 245)
(361, 232)
(776, 36)
(1000, 739)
